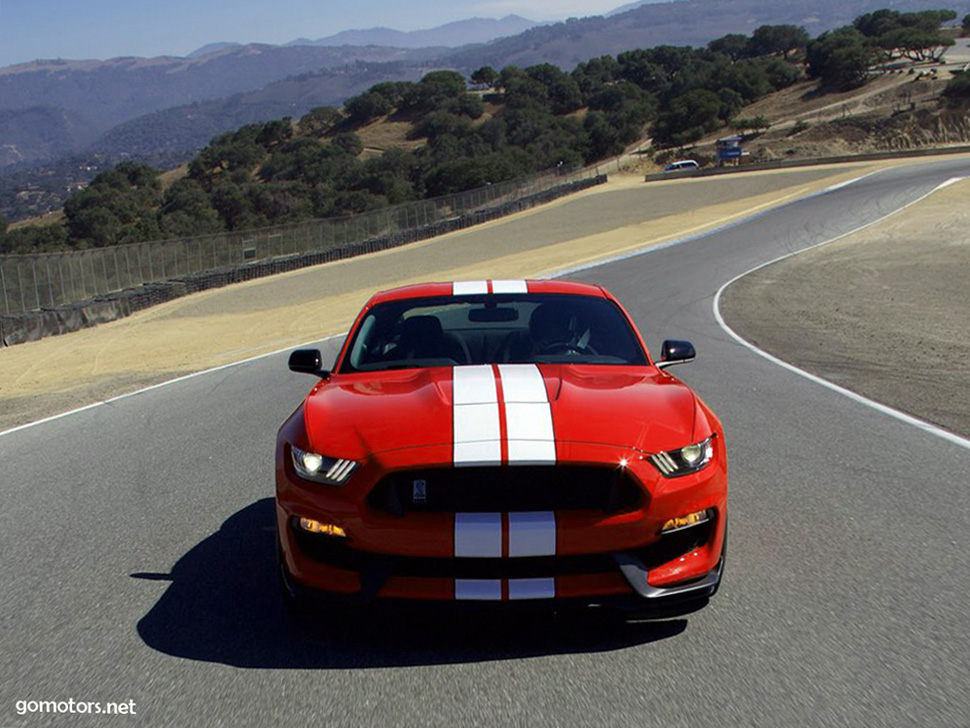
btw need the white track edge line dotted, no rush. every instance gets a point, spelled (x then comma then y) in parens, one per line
(557, 274)
(856, 397)
(657, 247)
(159, 385)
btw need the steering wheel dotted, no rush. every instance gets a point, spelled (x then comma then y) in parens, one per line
(567, 347)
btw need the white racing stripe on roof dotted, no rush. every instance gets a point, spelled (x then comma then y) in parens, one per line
(509, 287)
(469, 288)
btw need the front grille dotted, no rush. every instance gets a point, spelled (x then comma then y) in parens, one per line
(522, 568)
(506, 488)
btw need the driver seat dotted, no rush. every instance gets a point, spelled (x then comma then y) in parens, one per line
(550, 323)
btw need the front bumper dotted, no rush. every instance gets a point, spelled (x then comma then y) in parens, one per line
(592, 556)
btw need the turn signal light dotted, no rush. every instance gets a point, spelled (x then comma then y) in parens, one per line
(691, 519)
(324, 529)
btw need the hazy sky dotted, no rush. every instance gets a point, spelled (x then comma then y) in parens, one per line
(81, 29)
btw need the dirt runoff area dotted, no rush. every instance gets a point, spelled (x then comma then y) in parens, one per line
(883, 312)
(44, 378)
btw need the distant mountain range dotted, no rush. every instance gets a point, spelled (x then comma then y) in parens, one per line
(631, 6)
(683, 22)
(163, 109)
(110, 92)
(451, 35)
(163, 138)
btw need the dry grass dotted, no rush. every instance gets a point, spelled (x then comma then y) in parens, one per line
(51, 218)
(384, 134)
(173, 175)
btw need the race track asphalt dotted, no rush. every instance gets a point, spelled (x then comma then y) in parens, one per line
(138, 552)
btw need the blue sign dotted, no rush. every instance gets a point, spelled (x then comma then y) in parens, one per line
(729, 152)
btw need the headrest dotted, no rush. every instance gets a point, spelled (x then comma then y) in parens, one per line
(421, 327)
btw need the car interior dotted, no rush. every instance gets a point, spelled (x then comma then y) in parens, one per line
(536, 329)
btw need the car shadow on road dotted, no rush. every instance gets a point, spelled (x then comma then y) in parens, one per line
(223, 605)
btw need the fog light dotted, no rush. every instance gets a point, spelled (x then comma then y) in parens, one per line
(325, 529)
(691, 519)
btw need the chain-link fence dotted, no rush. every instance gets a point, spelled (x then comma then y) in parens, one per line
(47, 280)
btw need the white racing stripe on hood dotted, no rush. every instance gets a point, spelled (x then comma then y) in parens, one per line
(528, 416)
(477, 435)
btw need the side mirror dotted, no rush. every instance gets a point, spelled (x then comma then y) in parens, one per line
(307, 361)
(675, 352)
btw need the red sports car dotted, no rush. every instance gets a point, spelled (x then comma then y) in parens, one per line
(501, 441)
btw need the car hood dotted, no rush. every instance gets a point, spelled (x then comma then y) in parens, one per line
(353, 415)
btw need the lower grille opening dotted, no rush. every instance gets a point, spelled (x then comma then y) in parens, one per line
(332, 551)
(339, 553)
(520, 568)
(506, 488)
(675, 545)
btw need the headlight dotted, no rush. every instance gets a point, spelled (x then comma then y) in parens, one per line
(690, 459)
(320, 469)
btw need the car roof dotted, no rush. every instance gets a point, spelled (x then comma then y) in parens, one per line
(435, 290)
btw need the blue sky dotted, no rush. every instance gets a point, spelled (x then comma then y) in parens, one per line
(82, 29)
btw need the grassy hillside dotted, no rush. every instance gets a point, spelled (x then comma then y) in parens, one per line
(404, 141)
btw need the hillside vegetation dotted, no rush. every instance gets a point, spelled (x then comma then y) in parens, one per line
(517, 121)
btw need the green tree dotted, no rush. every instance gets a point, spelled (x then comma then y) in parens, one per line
(957, 90)
(119, 206)
(348, 143)
(228, 152)
(603, 139)
(233, 207)
(486, 76)
(778, 39)
(275, 132)
(840, 58)
(434, 89)
(320, 120)
(35, 239)
(688, 117)
(595, 74)
(732, 45)
(756, 123)
(366, 107)
(471, 106)
(914, 35)
(186, 211)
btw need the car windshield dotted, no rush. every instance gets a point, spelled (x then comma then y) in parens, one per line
(494, 329)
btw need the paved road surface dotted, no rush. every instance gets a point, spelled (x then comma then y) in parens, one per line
(137, 543)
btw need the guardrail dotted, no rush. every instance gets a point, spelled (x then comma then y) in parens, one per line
(47, 280)
(246, 258)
